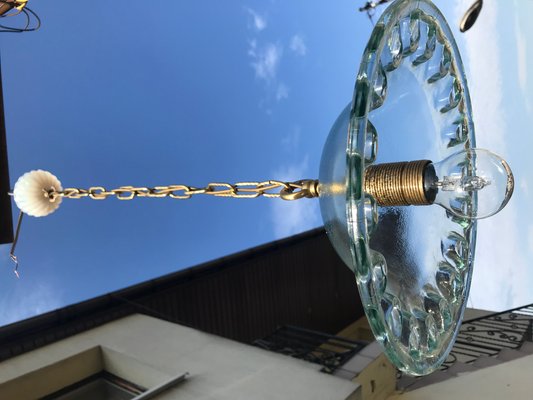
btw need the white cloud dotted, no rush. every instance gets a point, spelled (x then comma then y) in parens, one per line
(282, 92)
(4, 252)
(291, 141)
(524, 187)
(521, 59)
(38, 299)
(501, 277)
(265, 60)
(521, 62)
(258, 21)
(292, 172)
(298, 46)
(292, 217)
(501, 274)
(530, 239)
(265, 63)
(482, 60)
(23, 298)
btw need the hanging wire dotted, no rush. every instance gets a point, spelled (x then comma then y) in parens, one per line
(14, 9)
(370, 8)
(14, 245)
(470, 17)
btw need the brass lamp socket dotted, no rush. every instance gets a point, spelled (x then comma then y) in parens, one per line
(401, 183)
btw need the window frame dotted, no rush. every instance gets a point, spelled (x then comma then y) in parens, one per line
(123, 384)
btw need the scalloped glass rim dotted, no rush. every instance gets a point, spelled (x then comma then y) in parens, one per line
(411, 339)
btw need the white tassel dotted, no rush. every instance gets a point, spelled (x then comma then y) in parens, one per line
(30, 193)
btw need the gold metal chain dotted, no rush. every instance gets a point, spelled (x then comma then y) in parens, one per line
(307, 188)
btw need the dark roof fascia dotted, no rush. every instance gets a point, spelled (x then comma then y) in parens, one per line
(104, 304)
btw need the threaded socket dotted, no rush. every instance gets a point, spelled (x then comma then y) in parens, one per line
(397, 184)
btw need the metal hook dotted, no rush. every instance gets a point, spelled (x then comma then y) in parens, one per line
(370, 8)
(14, 245)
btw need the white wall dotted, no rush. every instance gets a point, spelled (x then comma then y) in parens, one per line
(508, 381)
(149, 351)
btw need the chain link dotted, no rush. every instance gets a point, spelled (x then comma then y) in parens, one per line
(242, 190)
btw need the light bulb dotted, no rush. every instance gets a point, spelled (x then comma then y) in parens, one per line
(473, 183)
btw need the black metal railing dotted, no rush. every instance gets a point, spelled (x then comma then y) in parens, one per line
(481, 337)
(490, 334)
(320, 348)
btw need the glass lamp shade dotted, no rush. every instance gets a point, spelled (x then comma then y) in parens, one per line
(413, 265)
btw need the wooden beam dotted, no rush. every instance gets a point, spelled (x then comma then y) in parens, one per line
(6, 6)
(6, 216)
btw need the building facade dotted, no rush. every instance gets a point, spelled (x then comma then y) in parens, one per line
(163, 360)
(278, 321)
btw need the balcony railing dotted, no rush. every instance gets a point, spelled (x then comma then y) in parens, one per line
(487, 336)
(327, 350)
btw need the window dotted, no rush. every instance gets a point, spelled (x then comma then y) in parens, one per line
(101, 386)
(96, 373)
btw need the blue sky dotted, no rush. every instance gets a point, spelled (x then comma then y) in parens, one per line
(206, 91)
(498, 55)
